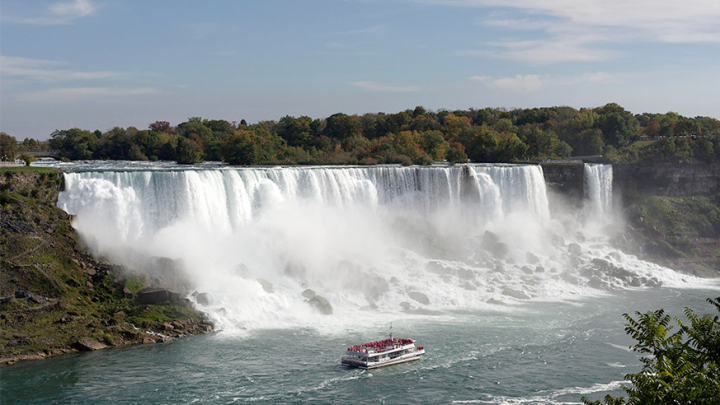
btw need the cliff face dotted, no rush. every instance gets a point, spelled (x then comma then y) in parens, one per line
(54, 296)
(672, 210)
(635, 182)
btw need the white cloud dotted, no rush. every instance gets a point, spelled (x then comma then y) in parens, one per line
(664, 20)
(46, 70)
(66, 94)
(373, 86)
(513, 84)
(74, 9)
(63, 12)
(574, 30)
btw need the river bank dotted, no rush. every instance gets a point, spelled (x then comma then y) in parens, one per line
(55, 297)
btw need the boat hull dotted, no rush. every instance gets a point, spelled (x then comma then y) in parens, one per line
(373, 365)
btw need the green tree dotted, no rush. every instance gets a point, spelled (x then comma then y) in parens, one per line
(241, 148)
(8, 147)
(681, 367)
(190, 150)
(27, 158)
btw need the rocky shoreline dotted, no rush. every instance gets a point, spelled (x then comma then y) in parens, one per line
(56, 298)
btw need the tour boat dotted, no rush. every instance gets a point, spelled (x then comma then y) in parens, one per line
(382, 353)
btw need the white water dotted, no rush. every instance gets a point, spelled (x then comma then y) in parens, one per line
(373, 241)
(598, 189)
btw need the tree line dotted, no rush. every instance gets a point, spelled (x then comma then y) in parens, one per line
(414, 136)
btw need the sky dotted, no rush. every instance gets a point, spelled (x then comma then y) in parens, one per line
(98, 64)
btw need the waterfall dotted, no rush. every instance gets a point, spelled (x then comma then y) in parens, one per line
(598, 180)
(370, 240)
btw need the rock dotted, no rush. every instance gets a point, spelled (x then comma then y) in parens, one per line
(321, 305)
(266, 285)
(596, 282)
(531, 258)
(465, 274)
(526, 270)
(241, 270)
(510, 292)
(495, 302)
(167, 326)
(295, 270)
(38, 299)
(90, 271)
(405, 305)
(654, 282)
(468, 286)
(309, 294)
(437, 268)
(203, 299)
(127, 293)
(65, 319)
(540, 269)
(419, 297)
(24, 341)
(154, 296)
(574, 249)
(88, 344)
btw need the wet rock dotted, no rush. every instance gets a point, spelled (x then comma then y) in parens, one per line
(465, 274)
(495, 302)
(88, 344)
(266, 285)
(635, 282)
(308, 294)
(437, 268)
(654, 282)
(614, 255)
(596, 282)
(295, 270)
(491, 243)
(574, 249)
(468, 286)
(405, 305)
(531, 258)
(321, 305)
(419, 297)
(526, 270)
(203, 299)
(511, 292)
(539, 269)
(241, 270)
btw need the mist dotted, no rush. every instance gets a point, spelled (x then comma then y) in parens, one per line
(373, 242)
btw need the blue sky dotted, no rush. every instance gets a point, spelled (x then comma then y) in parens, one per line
(96, 64)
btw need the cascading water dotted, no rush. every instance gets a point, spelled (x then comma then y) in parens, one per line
(369, 241)
(598, 180)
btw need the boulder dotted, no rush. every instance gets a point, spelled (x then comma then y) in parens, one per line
(321, 305)
(266, 285)
(419, 297)
(510, 292)
(309, 294)
(203, 299)
(88, 344)
(295, 270)
(153, 296)
(531, 258)
(574, 249)
(127, 293)
(405, 305)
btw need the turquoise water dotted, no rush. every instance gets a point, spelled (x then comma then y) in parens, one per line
(536, 353)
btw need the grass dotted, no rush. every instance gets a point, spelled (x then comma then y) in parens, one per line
(28, 169)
